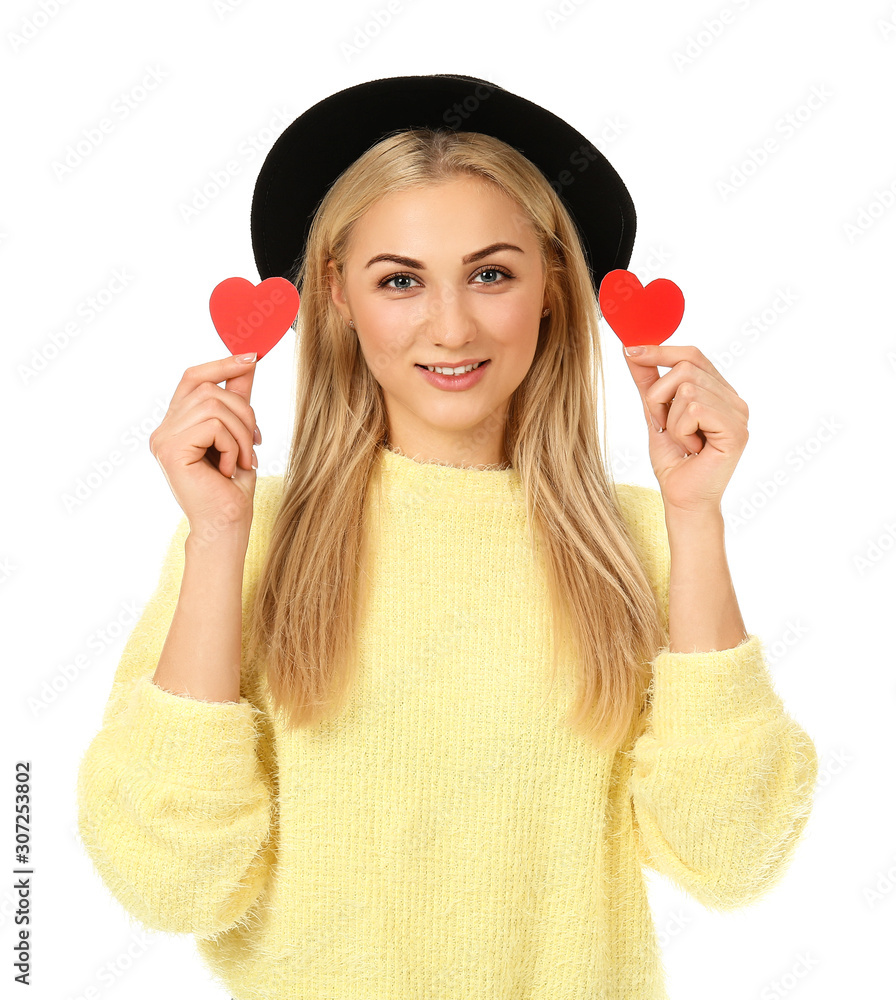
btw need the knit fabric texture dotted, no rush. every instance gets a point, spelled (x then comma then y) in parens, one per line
(447, 836)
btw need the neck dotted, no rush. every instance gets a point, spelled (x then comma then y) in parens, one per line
(498, 467)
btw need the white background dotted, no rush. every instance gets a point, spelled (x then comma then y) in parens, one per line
(680, 100)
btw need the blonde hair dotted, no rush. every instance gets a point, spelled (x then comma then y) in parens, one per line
(311, 589)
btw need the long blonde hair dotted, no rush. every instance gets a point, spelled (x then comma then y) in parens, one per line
(310, 591)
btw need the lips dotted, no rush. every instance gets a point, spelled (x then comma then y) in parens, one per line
(456, 364)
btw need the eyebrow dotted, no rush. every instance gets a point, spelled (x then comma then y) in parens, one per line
(471, 258)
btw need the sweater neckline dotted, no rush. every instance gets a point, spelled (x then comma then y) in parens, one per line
(433, 480)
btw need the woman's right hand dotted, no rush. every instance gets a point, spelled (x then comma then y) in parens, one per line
(205, 445)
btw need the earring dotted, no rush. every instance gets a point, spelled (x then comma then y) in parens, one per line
(545, 312)
(351, 323)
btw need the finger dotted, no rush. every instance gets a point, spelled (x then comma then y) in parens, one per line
(697, 422)
(644, 377)
(211, 371)
(241, 384)
(686, 373)
(681, 426)
(221, 406)
(233, 400)
(649, 417)
(239, 388)
(681, 385)
(226, 445)
(643, 369)
(668, 355)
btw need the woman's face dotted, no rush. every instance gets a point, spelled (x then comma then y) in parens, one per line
(433, 307)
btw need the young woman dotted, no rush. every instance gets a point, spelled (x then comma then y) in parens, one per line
(408, 720)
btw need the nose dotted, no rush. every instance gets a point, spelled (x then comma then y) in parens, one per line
(445, 318)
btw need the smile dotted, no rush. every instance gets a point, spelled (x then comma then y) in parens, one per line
(468, 377)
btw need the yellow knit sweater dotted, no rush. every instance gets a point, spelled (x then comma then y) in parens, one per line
(445, 837)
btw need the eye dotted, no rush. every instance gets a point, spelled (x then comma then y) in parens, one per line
(492, 269)
(394, 277)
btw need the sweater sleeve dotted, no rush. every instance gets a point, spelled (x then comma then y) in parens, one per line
(722, 777)
(174, 806)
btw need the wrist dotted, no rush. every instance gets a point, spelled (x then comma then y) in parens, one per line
(708, 517)
(230, 538)
(695, 536)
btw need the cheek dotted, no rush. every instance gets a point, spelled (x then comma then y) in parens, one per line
(378, 342)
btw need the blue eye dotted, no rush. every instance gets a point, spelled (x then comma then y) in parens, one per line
(493, 270)
(387, 282)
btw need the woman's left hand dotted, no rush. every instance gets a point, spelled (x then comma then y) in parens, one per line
(704, 425)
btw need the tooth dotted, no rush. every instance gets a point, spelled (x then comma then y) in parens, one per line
(460, 370)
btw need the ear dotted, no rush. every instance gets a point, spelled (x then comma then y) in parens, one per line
(337, 292)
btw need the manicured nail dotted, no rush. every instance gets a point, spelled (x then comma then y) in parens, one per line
(248, 358)
(635, 350)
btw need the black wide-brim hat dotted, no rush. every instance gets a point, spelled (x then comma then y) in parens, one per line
(321, 143)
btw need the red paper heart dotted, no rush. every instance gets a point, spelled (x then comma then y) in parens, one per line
(640, 314)
(253, 317)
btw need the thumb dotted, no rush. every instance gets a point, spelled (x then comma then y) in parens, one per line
(644, 375)
(644, 371)
(242, 384)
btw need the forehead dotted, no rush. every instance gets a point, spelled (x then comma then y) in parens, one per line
(463, 210)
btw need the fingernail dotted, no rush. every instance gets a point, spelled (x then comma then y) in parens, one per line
(254, 459)
(634, 350)
(248, 358)
(256, 437)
